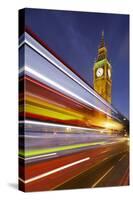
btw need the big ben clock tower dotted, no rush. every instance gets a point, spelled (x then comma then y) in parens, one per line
(102, 71)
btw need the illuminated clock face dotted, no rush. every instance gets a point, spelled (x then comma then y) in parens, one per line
(99, 72)
(109, 73)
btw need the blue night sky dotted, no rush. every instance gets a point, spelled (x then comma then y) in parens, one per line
(75, 37)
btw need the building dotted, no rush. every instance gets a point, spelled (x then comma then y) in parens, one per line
(102, 72)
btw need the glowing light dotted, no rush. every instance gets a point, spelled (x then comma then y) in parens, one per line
(108, 125)
(112, 125)
(68, 129)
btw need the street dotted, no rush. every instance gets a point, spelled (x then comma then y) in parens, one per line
(103, 164)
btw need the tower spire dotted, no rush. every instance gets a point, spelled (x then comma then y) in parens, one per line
(102, 44)
(102, 51)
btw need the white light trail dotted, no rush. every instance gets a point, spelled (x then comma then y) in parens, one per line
(54, 84)
(21, 70)
(57, 125)
(54, 171)
(122, 158)
(36, 157)
(99, 180)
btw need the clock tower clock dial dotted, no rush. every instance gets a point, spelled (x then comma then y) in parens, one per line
(102, 73)
(99, 72)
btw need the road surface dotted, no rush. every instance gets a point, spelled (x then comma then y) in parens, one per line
(98, 165)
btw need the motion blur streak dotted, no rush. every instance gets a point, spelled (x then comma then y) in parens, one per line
(58, 125)
(55, 170)
(69, 136)
(32, 72)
